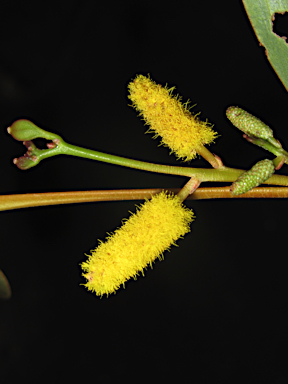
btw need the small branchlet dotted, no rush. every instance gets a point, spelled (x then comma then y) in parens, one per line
(161, 221)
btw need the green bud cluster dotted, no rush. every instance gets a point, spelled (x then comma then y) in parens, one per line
(248, 123)
(30, 159)
(259, 173)
(26, 131)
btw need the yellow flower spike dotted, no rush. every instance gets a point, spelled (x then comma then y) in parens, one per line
(181, 131)
(143, 238)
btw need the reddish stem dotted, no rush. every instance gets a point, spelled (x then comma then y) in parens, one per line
(16, 201)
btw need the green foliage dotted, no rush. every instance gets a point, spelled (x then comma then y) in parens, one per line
(261, 14)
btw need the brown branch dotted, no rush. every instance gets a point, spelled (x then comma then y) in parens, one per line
(16, 201)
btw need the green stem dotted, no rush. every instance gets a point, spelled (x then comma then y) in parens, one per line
(268, 145)
(189, 188)
(73, 150)
(207, 155)
(222, 174)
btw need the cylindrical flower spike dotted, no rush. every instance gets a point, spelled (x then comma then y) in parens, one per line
(259, 173)
(181, 131)
(248, 123)
(143, 238)
(251, 125)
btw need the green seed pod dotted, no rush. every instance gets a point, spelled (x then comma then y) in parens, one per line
(259, 173)
(248, 123)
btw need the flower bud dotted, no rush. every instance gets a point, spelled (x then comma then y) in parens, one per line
(25, 162)
(30, 159)
(248, 123)
(25, 130)
(259, 173)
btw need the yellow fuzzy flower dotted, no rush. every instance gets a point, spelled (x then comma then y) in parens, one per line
(181, 131)
(155, 226)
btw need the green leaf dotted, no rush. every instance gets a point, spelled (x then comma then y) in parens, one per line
(261, 15)
(5, 289)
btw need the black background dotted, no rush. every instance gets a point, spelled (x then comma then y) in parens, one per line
(214, 309)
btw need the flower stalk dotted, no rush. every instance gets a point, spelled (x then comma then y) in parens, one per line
(189, 188)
